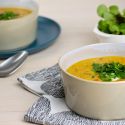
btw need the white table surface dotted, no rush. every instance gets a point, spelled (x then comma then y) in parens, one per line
(77, 19)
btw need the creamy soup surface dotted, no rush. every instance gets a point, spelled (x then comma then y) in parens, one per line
(84, 68)
(12, 13)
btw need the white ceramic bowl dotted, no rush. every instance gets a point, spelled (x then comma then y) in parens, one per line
(21, 32)
(98, 100)
(108, 38)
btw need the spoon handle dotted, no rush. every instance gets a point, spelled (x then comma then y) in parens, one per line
(10, 65)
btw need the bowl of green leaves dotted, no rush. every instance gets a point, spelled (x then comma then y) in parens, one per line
(111, 26)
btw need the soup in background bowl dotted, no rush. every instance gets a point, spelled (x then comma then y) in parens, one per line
(18, 24)
(13, 13)
(96, 99)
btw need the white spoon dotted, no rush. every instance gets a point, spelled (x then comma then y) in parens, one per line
(11, 64)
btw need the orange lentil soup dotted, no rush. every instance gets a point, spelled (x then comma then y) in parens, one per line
(19, 11)
(83, 69)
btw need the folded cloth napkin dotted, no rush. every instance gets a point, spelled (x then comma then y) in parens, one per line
(50, 108)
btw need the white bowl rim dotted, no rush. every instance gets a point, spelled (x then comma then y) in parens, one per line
(84, 80)
(97, 31)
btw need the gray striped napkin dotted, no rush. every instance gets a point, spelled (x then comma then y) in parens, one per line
(50, 108)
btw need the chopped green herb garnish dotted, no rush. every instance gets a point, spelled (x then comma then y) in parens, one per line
(109, 71)
(8, 15)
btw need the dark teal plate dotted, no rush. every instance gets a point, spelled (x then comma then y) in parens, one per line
(48, 31)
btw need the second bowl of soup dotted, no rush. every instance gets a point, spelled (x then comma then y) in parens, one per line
(94, 80)
(18, 24)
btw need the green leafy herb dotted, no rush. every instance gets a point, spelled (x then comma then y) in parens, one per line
(8, 15)
(114, 10)
(122, 28)
(114, 28)
(112, 19)
(103, 25)
(101, 9)
(109, 16)
(109, 71)
(124, 12)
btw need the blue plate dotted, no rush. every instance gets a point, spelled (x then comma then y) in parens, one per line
(48, 31)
